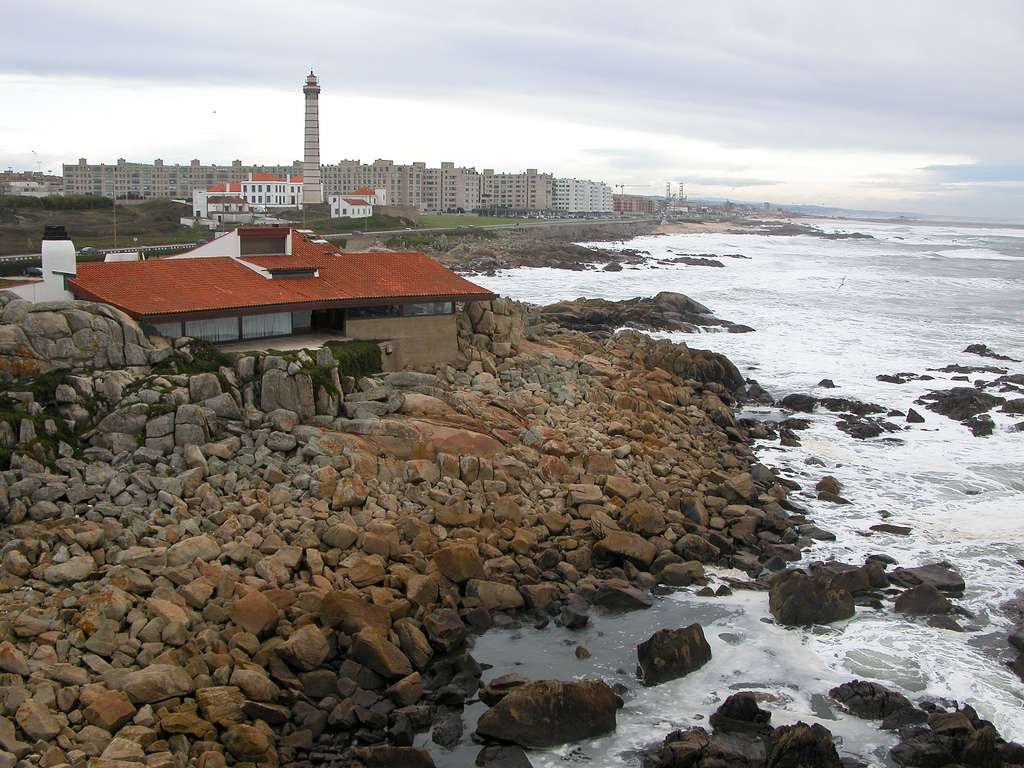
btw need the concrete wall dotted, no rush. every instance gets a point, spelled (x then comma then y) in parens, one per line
(416, 341)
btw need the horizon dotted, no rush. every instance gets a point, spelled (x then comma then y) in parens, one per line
(848, 107)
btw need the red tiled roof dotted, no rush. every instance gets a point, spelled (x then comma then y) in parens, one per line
(265, 177)
(224, 199)
(295, 179)
(218, 188)
(364, 191)
(355, 201)
(173, 286)
(236, 187)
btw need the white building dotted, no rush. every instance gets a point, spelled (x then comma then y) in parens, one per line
(577, 196)
(358, 204)
(259, 192)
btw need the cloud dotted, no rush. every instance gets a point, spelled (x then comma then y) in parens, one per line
(977, 173)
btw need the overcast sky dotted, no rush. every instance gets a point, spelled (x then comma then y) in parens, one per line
(903, 105)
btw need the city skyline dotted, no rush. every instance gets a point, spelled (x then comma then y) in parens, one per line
(904, 107)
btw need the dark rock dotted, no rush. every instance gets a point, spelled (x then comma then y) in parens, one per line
(870, 701)
(960, 403)
(615, 595)
(898, 530)
(913, 417)
(395, 757)
(740, 714)
(546, 713)
(673, 653)
(983, 351)
(939, 575)
(797, 599)
(500, 687)
(922, 600)
(797, 402)
(503, 757)
(827, 384)
(448, 732)
(799, 745)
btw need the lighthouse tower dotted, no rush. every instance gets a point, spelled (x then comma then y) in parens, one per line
(312, 190)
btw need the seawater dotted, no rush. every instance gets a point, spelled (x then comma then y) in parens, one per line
(908, 298)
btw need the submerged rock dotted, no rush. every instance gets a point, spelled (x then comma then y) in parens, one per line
(546, 713)
(797, 599)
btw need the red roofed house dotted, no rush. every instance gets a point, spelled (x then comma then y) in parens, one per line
(259, 191)
(262, 282)
(357, 204)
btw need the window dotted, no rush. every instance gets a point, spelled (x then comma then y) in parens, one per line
(429, 308)
(261, 326)
(219, 329)
(387, 310)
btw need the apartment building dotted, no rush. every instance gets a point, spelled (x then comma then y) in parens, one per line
(638, 204)
(516, 193)
(142, 180)
(576, 196)
(31, 184)
(450, 190)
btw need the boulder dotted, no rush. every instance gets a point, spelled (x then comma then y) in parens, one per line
(248, 744)
(939, 575)
(351, 614)
(631, 547)
(546, 713)
(156, 683)
(669, 654)
(873, 701)
(460, 563)
(306, 649)
(493, 595)
(923, 600)
(374, 651)
(254, 613)
(797, 599)
(802, 745)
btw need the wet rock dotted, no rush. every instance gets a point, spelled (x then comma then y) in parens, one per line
(797, 599)
(939, 575)
(672, 653)
(873, 701)
(802, 745)
(613, 594)
(960, 403)
(546, 713)
(740, 714)
(502, 757)
(923, 600)
(798, 402)
(620, 545)
(395, 757)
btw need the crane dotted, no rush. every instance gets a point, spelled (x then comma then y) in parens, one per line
(623, 186)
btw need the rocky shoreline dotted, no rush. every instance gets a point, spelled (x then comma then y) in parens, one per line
(252, 559)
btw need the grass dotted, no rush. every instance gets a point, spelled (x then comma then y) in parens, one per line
(448, 220)
(152, 222)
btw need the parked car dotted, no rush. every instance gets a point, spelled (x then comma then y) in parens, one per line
(33, 271)
(88, 251)
(201, 242)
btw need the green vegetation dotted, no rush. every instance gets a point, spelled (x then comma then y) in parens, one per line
(90, 221)
(51, 427)
(356, 358)
(197, 356)
(328, 226)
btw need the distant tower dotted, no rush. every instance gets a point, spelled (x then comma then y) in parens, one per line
(312, 191)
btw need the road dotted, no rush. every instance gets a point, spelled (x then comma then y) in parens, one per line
(336, 235)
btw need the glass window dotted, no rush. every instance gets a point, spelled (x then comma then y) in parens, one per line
(261, 326)
(218, 329)
(387, 310)
(169, 330)
(428, 308)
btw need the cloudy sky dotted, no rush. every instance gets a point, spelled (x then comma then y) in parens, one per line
(901, 105)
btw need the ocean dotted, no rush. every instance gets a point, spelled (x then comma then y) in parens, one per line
(907, 299)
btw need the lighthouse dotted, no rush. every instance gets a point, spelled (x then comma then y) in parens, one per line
(312, 190)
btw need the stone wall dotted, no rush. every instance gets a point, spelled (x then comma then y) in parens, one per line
(495, 327)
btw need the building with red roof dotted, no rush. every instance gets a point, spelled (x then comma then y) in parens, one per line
(262, 282)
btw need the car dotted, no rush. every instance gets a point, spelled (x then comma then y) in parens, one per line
(88, 251)
(201, 242)
(356, 232)
(33, 271)
(408, 229)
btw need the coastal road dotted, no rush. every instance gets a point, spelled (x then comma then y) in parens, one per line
(24, 257)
